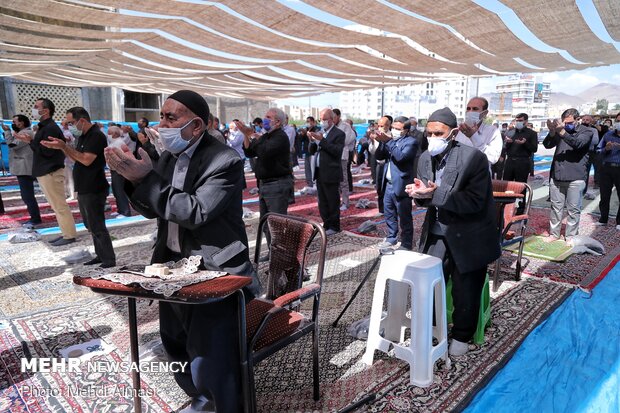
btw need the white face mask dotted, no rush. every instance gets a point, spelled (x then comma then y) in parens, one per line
(35, 114)
(74, 130)
(325, 124)
(396, 134)
(617, 126)
(438, 145)
(116, 142)
(171, 138)
(519, 125)
(472, 118)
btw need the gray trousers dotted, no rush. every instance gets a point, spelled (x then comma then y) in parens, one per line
(567, 193)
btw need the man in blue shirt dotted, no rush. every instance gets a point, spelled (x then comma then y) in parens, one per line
(609, 148)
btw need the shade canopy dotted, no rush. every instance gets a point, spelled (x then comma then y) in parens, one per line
(289, 48)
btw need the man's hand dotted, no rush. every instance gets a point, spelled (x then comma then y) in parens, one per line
(420, 191)
(142, 138)
(54, 143)
(508, 140)
(5, 127)
(246, 130)
(382, 137)
(468, 130)
(609, 146)
(125, 163)
(555, 126)
(317, 136)
(24, 137)
(520, 141)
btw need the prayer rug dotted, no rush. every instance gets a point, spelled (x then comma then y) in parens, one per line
(536, 246)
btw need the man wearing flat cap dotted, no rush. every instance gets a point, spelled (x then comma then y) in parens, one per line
(399, 153)
(195, 193)
(460, 225)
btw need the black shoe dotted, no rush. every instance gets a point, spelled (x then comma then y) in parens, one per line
(62, 241)
(52, 241)
(94, 261)
(264, 258)
(108, 265)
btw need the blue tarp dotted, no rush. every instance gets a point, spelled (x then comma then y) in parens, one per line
(569, 363)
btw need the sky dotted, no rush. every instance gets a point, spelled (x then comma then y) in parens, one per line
(570, 82)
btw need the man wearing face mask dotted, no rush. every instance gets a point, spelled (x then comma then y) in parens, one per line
(568, 171)
(311, 126)
(327, 147)
(195, 192)
(474, 132)
(399, 153)
(383, 131)
(347, 155)
(115, 139)
(586, 120)
(48, 168)
(460, 226)
(273, 162)
(90, 182)
(20, 165)
(609, 149)
(521, 144)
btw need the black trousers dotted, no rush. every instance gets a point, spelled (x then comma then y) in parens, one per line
(466, 289)
(609, 177)
(329, 203)
(274, 196)
(517, 169)
(122, 202)
(26, 191)
(92, 210)
(379, 184)
(349, 174)
(207, 337)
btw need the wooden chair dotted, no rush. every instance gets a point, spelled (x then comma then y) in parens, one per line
(507, 194)
(274, 322)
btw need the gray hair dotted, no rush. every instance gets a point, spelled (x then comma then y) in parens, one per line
(280, 115)
(114, 130)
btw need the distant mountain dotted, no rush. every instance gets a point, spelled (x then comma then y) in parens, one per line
(562, 99)
(602, 91)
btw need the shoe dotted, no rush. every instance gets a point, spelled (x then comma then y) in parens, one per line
(386, 244)
(264, 258)
(62, 241)
(331, 232)
(31, 224)
(199, 404)
(108, 265)
(458, 348)
(55, 240)
(600, 224)
(94, 261)
(617, 226)
(589, 196)
(344, 207)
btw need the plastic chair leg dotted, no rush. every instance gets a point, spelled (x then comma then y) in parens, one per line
(484, 314)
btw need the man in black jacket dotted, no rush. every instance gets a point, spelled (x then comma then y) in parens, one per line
(460, 225)
(520, 143)
(48, 168)
(568, 171)
(195, 193)
(273, 161)
(327, 147)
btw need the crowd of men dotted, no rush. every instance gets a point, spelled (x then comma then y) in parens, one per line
(189, 175)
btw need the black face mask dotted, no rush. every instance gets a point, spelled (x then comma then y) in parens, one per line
(14, 127)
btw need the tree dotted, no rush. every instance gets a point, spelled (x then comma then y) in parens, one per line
(602, 104)
(617, 106)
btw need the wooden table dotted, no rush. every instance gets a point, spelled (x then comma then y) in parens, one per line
(200, 293)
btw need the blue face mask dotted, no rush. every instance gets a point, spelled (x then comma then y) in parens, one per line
(267, 124)
(569, 127)
(171, 139)
(256, 128)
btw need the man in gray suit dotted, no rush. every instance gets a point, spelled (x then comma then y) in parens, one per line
(195, 193)
(20, 165)
(460, 225)
(328, 147)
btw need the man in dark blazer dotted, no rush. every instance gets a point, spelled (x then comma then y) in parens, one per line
(399, 153)
(195, 193)
(460, 225)
(327, 148)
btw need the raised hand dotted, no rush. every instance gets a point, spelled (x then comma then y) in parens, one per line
(125, 163)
